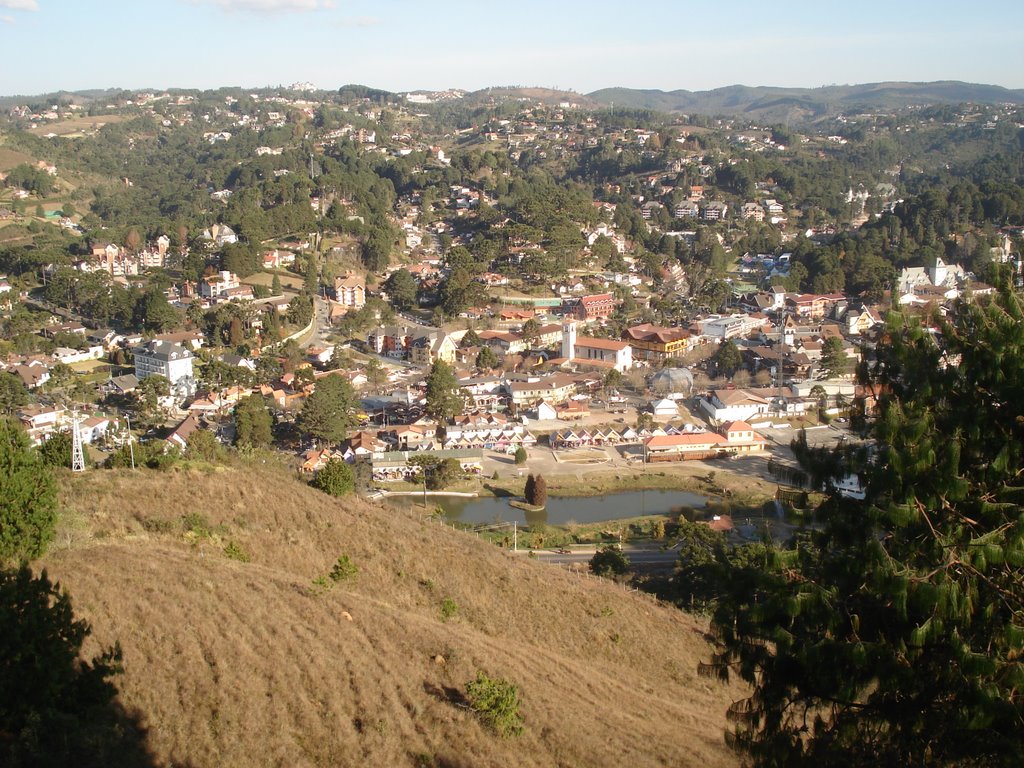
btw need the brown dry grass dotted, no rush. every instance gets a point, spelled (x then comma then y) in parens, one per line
(234, 663)
(73, 126)
(9, 158)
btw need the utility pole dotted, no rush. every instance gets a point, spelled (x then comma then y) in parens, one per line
(128, 433)
(515, 535)
(77, 453)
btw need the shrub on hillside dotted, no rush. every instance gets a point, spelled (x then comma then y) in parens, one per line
(448, 609)
(610, 562)
(335, 478)
(496, 702)
(342, 570)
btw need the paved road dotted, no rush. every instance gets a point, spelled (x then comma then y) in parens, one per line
(321, 325)
(647, 557)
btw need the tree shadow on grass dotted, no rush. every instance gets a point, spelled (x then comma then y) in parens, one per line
(57, 708)
(446, 694)
(501, 493)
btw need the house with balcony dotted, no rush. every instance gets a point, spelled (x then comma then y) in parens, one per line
(172, 361)
(350, 290)
(655, 343)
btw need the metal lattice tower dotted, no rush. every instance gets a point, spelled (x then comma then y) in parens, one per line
(77, 454)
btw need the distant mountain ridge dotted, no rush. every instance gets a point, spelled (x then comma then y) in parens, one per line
(762, 102)
(812, 102)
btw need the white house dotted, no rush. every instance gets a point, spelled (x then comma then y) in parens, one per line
(726, 405)
(665, 409)
(172, 361)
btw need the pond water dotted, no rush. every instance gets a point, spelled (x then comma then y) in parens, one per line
(560, 510)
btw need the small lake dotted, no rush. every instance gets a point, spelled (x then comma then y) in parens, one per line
(560, 510)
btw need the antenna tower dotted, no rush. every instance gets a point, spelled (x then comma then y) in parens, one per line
(77, 453)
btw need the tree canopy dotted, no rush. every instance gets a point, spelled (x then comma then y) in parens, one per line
(444, 397)
(329, 411)
(335, 478)
(894, 635)
(28, 498)
(253, 423)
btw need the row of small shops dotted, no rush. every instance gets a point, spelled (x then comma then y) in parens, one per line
(669, 443)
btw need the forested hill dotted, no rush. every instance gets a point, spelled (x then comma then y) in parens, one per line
(777, 103)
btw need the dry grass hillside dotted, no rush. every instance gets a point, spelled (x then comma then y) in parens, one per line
(233, 663)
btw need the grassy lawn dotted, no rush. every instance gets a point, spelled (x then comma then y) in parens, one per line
(289, 280)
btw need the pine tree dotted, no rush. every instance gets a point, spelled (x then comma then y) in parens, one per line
(528, 489)
(253, 423)
(328, 413)
(895, 634)
(538, 495)
(443, 395)
(28, 498)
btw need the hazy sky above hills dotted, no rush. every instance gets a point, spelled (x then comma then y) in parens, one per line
(404, 45)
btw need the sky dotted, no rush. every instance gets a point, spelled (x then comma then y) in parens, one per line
(405, 45)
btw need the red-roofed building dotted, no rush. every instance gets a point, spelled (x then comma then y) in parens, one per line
(593, 307)
(739, 437)
(593, 351)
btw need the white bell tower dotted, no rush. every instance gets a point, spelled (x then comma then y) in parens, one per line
(569, 339)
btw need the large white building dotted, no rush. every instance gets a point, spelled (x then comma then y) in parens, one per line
(172, 361)
(601, 352)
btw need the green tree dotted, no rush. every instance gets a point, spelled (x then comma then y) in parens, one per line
(376, 375)
(531, 331)
(496, 702)
(444, 397)
(300, 311)
(150, 390)
(520, 456)
(253, 423)
(56, 708)
(486, 359)
(335, 478)
(28, 498)
(311, 282)
(401, 288)
(154, 312)
(537, 491)
(609, 561)
(894, 635)
(329, 412)
(236, 335)
(56, 451)
(444, 474)
(13, 394)
(834, 362)
(612, 380)
(202, 444)
(275, 285)
(728, 359)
